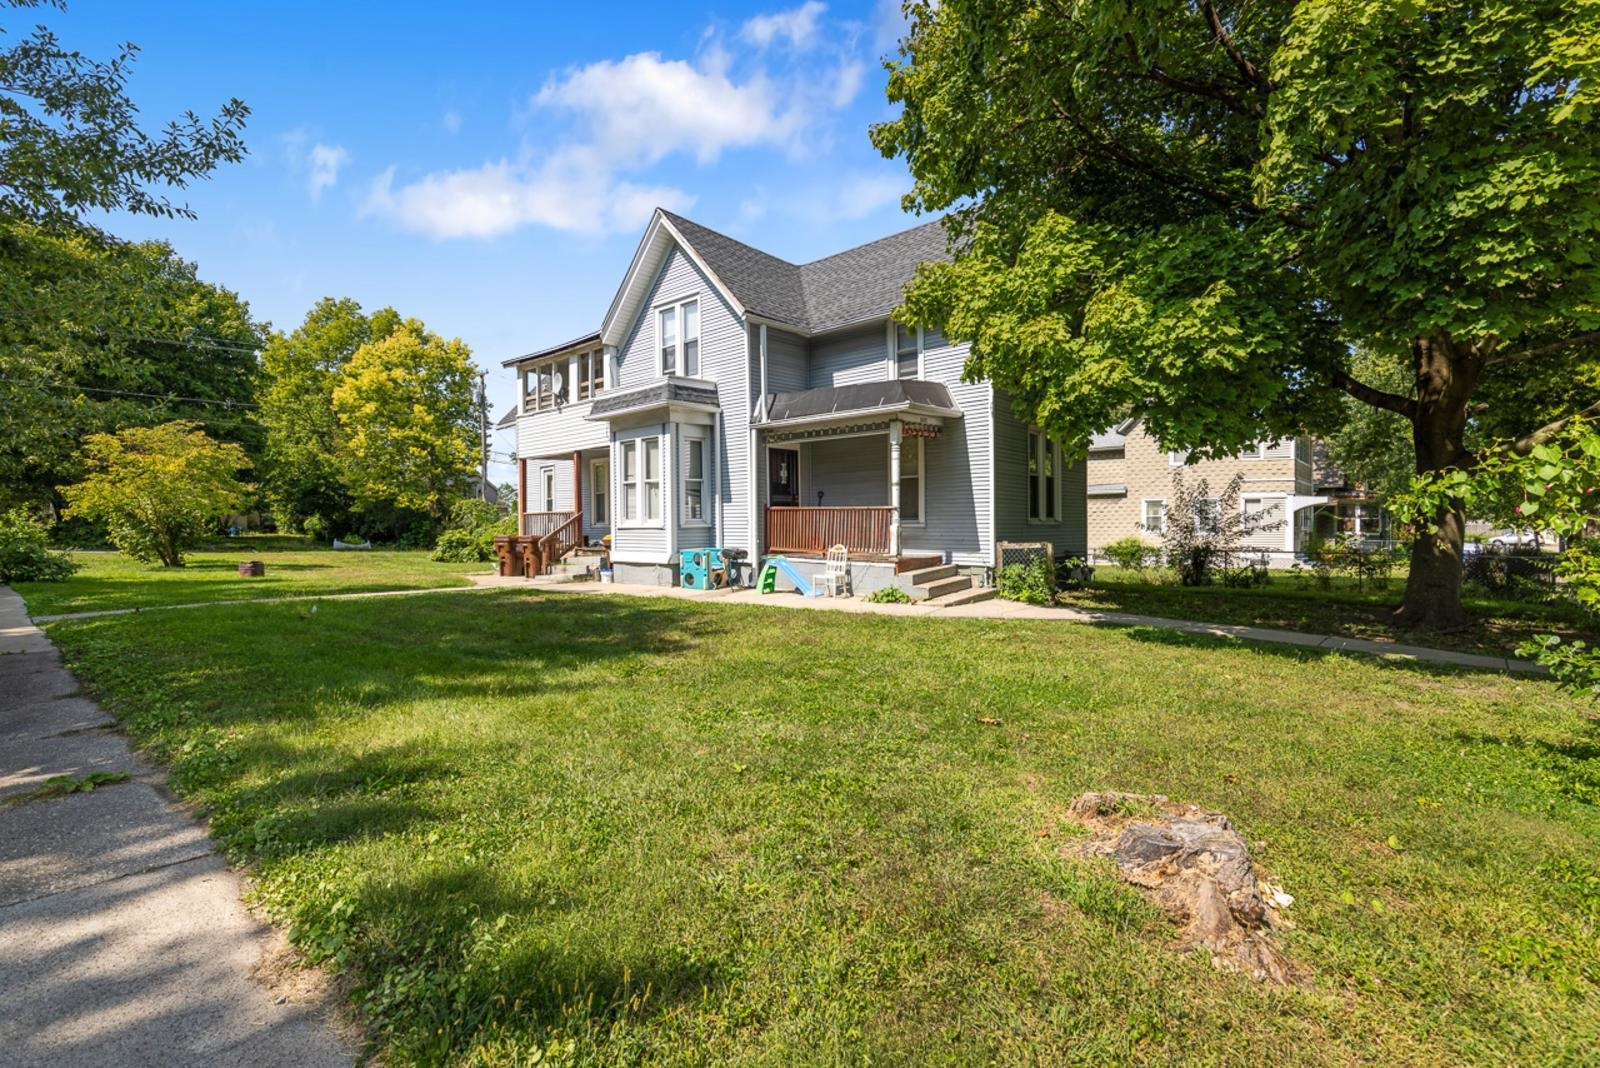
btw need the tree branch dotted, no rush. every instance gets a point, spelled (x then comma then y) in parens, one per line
(1364, 393)
(1527, 443)
(1247, 70)
(1542, 350)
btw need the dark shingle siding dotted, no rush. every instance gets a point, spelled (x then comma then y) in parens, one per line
(854, 286)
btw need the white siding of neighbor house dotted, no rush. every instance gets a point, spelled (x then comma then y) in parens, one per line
(959, 493)
(848, 358)
(1069, 534)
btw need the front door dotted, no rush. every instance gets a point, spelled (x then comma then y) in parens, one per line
(783, 477)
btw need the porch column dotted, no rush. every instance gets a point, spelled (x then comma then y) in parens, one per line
(894, 488)
(522, 491)
(577, 481)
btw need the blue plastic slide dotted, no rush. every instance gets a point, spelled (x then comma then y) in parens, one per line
(774, 565)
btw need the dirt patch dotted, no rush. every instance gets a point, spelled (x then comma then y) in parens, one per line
(283, 972)
(1196, 866)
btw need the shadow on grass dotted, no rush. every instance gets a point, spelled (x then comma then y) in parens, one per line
(1397, 660)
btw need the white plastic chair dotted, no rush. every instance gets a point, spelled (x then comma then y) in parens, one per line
(835, 577)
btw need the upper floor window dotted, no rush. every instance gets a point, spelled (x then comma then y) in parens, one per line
(907, 352)
(678, 338)
(544, 385)
(1044, 465)
(1177, 459)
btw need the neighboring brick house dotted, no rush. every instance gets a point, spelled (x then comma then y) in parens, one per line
(1130, 485)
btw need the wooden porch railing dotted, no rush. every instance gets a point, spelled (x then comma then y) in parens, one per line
(560, 541)
(538, 524)
(863, 531)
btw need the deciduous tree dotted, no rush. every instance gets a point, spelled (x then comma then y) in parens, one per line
(407, 420)
(158, 489)
(1200, 209)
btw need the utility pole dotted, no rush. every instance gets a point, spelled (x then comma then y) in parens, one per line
(483, 439)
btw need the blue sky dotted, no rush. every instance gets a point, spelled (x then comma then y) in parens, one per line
(489, 167)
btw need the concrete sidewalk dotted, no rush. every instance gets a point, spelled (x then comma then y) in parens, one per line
(123, 941)
(998, 609)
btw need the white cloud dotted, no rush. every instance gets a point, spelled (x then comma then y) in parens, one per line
(488, 201)
(856, 197)
(605, 124)
(324, 163)
(451, 122)
(797, 25)
(643, 108)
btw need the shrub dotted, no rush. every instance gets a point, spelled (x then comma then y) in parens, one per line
(24, 554)
(888, 595)
(474, 525)
(1205, 534)
(1031, 583)
(458, 547)
(1132, 553)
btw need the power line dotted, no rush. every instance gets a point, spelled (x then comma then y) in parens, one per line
(133, 393)
(206, 341)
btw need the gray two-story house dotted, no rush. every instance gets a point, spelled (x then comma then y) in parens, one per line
(731, 398)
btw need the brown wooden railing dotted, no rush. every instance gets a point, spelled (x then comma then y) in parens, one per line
(538, 524)
(560, 541)
(863, 531)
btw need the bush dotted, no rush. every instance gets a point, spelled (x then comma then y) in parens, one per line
(888, 595)
(474, 525)
(1132, 553)
(458, 547)
(25, 555)
(1031, 583)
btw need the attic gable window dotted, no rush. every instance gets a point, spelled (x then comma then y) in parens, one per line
(678, 338)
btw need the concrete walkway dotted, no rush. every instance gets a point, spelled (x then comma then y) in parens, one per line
(998, 609)
(122, 938)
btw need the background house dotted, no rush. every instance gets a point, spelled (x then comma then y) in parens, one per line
(1130, 486)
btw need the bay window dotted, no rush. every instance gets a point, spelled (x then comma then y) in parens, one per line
(694, 479)
(652, 479)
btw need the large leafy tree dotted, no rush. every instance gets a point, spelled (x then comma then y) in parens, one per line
(407, 421)
(303, 478)
(70, 140)
(98, 334)
(1202, 208)
(158, 490)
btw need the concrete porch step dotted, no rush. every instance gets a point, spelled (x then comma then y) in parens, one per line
(940, 587)
(969, 596)
(926, 575)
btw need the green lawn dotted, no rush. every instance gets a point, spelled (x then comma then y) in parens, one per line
(109, 580)
(618, 830)
(1498, 626)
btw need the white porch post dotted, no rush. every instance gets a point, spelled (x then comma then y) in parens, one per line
(894, 488)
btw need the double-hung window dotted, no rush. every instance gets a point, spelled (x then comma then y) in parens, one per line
(678, 338)
(1155, 516)
(1208, 515)
(694, 479)
(651, 447)
(1044, 465)
(630, 481)
(907, 354)
(911, 480)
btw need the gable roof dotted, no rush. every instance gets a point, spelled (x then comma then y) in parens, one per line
(858, 285)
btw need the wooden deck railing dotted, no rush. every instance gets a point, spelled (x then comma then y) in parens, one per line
(863, 531)
(560, 541)
(538, 524)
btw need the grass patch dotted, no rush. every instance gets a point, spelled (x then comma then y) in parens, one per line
(61, 785)
(622, 830)
(110, 580)
(1498, 625)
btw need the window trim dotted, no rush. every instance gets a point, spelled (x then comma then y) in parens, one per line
(596, 483)
(1216, 527)
(680, 345)
(689, 439)
(1038, 446)
(1144, 514)
(922, 482)
(893, 343)
(628, 516)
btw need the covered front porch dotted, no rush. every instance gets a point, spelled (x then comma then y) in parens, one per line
(847, 466)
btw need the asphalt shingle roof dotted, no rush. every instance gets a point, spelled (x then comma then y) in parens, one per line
(858, 285)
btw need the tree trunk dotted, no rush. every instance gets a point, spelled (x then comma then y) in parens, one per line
(1447, 372)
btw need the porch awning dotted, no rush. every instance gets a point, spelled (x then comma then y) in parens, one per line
(897, 397)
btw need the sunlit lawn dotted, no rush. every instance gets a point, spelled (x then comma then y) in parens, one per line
(1498, 624)
(109, 580)
(615, 830)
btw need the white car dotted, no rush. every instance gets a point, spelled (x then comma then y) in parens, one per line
(1516, 539)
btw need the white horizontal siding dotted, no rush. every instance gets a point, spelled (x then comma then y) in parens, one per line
(1069, 534)
(559, 431)
(850, 472)
(787, 361)
(850, 358)
(959, 492)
